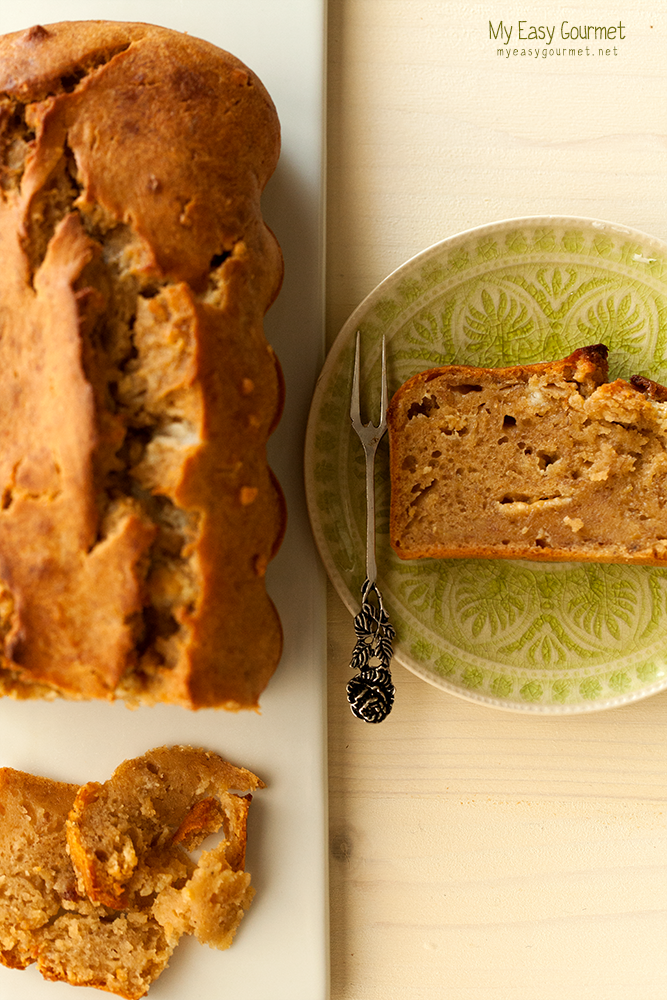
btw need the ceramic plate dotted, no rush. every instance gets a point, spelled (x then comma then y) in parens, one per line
(556, 637)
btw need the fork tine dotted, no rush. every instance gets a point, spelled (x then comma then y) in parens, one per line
(355, 407)
(355, 403)
(384, 398)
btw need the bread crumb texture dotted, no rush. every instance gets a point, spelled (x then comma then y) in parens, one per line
(137, 390)
(545, 461)
(97, 884)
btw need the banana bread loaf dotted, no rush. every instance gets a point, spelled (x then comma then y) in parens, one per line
(544, 461)
(137, 510)
(146, 819)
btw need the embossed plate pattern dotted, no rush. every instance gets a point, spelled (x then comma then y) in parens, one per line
(524, 636)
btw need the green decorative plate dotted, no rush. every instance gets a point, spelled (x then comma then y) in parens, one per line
(523, 636)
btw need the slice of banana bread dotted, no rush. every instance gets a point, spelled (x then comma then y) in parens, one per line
(37, 880)
(544, 461)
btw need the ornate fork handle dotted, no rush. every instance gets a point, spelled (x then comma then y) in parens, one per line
(371, 692)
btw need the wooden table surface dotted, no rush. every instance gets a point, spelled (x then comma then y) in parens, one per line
(477, 854)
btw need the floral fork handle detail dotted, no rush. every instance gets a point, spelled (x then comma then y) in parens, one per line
(371, 692)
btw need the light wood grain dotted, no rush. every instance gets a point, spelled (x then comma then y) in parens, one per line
(478, 854)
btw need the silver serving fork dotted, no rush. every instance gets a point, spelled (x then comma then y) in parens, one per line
(371, 692)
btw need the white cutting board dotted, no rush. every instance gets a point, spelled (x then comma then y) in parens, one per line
(280, 952)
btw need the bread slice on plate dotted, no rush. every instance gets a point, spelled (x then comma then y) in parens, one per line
(548, 461)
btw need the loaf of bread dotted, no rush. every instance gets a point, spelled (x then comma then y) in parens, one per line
(96, 883)
(548, 461)
(137, 510)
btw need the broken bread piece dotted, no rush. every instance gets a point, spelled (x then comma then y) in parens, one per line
(211, 903)
(139, 513)
(548, 461)
(131, 837)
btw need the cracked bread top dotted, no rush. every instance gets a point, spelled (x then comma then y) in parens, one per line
(138, 513)
(169, 134)
(545, 461)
